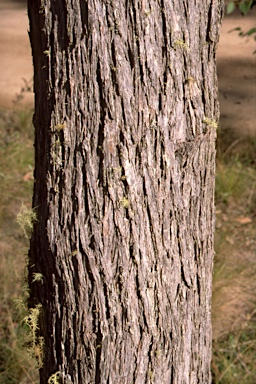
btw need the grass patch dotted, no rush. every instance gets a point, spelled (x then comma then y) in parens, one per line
(16, 161)
(232, 181)
(234, 355)
(16, 178)
(234, 284)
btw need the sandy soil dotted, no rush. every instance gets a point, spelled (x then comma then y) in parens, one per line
(15, 52)
(237, 75)
(236, 65)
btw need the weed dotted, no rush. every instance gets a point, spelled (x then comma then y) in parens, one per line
(33, 342)
(26, 88)
(15, 363)
(231, 181)
(26, 219)
(234, 355)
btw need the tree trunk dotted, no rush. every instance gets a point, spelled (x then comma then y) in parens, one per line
(125, 122)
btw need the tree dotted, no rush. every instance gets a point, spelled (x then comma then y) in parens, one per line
(121, 256)
(244, 7)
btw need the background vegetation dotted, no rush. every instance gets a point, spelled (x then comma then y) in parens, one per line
(16, 180)
(244, 6)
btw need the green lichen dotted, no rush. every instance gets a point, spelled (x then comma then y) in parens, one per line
(55, 378)
(210, 122)
(125, 202)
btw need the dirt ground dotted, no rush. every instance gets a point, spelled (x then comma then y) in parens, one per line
(236, 65)
(237, 75)
(15, 53)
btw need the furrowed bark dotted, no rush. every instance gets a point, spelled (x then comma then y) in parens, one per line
(125, 122)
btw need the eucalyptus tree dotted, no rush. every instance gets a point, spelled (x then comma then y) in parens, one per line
(126, 111)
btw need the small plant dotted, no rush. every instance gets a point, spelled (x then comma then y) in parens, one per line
(26, 88)
(234, 355)
(26, 219)
(34, 343)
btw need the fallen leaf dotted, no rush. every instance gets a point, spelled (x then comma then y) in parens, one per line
(243, 220)
(230, 241)
(28, 176)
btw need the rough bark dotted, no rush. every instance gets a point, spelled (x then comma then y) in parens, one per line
(125, 124)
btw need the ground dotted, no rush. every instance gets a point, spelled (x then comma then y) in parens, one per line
(237, 75)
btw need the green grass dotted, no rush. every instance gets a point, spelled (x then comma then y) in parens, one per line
(234, 287)
(234, 355)
(232, 181)
(16, 171)
(16, 160)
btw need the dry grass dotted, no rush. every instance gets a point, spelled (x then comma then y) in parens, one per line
(234, 301)
(16, 164)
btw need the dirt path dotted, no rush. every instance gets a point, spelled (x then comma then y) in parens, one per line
(236, 66)
(15, 53)
(237, 75)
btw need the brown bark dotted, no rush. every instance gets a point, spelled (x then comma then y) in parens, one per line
(125, 122)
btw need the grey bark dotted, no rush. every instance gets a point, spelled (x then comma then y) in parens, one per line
(125, 124)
